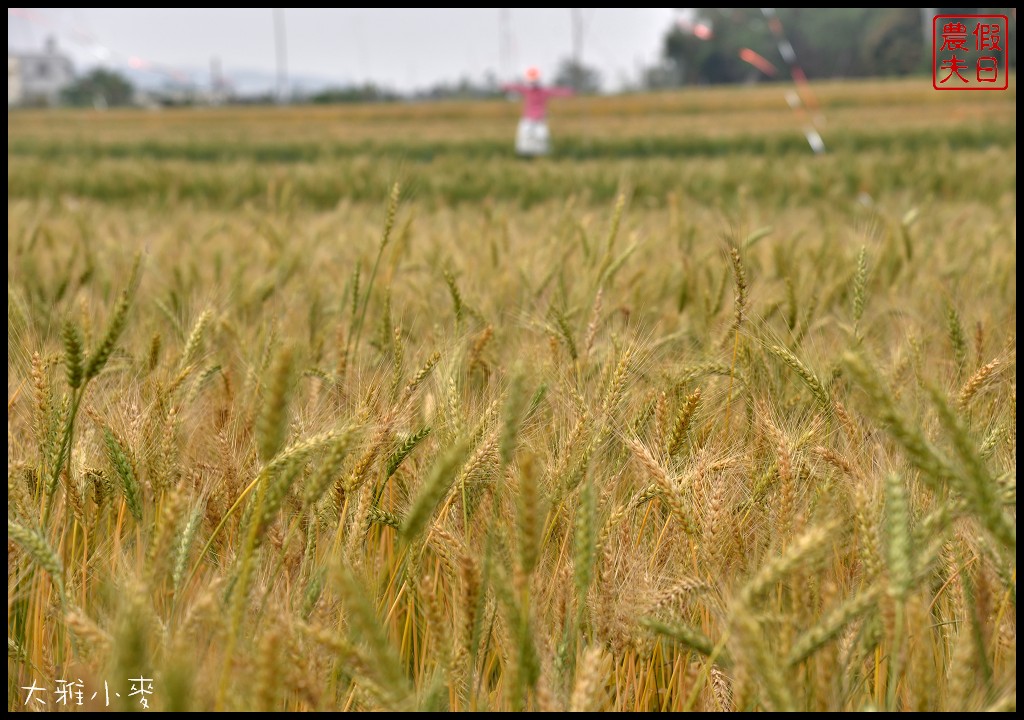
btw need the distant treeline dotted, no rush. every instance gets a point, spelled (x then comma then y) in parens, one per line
(828, 42)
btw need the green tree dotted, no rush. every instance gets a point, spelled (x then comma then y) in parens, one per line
(716, 59)
(895, 44)
(828, 42)
(367, 92)
(99, 87)
(579, 76)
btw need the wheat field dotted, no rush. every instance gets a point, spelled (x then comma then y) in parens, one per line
(349, 409)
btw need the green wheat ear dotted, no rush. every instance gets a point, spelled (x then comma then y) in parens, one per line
(897, 516)
(810, 379)
(403, 450)
(73, 354)
(434, 489)
(38, 548)
(957, 338)
(115, 327)
(860, 281)
(585, 542)
(272, 425)
(122, 465)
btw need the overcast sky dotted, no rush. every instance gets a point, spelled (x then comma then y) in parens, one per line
(402, 49)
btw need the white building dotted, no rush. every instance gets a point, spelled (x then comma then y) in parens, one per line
(37, 78)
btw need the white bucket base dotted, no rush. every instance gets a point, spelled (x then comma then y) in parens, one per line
(532, 138)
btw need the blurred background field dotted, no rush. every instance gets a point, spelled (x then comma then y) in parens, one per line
(710, 144)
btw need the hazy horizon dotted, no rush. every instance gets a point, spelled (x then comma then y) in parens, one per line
(403, 50)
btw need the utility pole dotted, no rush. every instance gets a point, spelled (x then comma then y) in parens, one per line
(216, 82)
(282, 56)
(927, 15)
(504, 45)
(577, 48)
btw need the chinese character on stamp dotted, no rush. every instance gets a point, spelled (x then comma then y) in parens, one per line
(969, 52)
